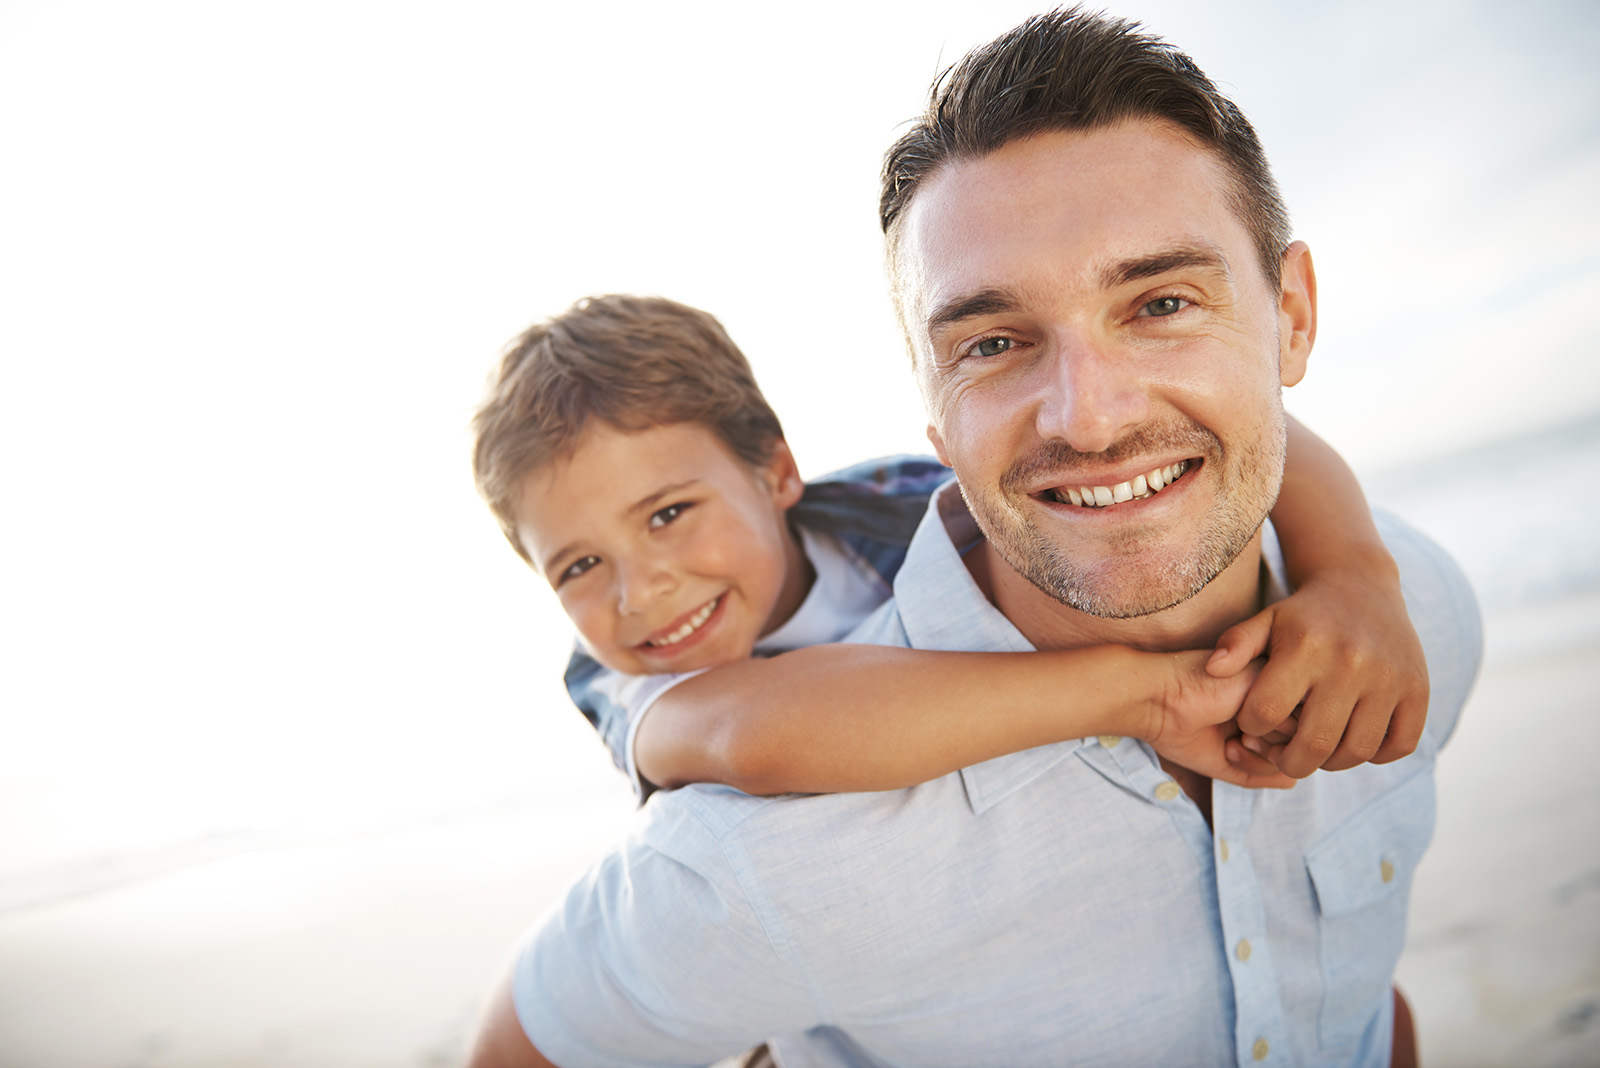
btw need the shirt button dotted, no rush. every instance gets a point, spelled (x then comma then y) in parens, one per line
(1222, 849)
(1168, 791)
(1260, 1050)
(1242, 951)
(1387, 871)
(1110, 740)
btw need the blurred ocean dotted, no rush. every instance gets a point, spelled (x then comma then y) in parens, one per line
(1515, 515)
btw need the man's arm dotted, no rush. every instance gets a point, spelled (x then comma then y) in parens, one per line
(658, 955)
(501, 1042)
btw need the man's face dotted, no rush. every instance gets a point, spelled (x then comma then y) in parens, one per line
(1101, 356)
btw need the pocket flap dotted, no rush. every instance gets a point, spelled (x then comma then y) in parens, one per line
(1375, 852)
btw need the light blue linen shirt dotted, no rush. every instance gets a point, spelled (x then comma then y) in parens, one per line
(1063, 905)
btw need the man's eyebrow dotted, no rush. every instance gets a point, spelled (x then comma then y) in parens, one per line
(971, 305)
(1131, 270)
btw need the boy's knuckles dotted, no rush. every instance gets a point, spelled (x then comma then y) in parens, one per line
(1319, 742)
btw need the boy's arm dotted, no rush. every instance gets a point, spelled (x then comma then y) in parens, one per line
(1341, 649)
(865, 717)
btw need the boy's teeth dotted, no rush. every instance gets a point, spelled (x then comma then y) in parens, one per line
(1140, 487)
(693, 624)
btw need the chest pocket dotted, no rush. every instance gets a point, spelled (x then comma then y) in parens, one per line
(1362, 873)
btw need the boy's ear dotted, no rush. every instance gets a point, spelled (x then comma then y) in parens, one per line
(783, 476)
(1297, 313)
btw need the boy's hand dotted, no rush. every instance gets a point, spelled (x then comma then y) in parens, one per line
(1345, 681)
(1193, 723)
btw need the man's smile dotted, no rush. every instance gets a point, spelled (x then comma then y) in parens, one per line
(1137, 488)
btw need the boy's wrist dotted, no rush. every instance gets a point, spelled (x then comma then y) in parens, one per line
(1154, 676)
(1357, 564)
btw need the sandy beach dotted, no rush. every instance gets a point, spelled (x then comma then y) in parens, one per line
(373, 951)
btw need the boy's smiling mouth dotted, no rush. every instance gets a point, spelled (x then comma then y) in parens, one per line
(696, 620)
(1135, 489)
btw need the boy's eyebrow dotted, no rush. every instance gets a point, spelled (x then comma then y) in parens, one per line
(649, 502)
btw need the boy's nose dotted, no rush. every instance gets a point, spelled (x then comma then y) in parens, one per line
(640, 584)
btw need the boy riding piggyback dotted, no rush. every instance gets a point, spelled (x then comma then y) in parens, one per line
(633, 462)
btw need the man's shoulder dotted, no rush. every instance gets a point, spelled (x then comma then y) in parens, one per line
(1444, 611)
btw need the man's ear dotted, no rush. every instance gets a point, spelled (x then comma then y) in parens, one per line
(782, 476)
(1297, 313)
(938, 444)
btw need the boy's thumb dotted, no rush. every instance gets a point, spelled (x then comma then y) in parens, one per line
(1240, 644)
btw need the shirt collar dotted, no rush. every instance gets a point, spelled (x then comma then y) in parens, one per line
(941, 607)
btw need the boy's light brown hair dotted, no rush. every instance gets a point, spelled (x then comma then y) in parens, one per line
(632, 362)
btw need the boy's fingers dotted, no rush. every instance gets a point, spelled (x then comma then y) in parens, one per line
(1405, 730)
(1251, 771)
(1273, 698)
(1240, 644)
(1363, 735)
(1323, 726)
(1317, 736)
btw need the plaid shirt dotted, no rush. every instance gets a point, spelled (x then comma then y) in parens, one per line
(872, 508)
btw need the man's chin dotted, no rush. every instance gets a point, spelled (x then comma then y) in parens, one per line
(1128, 584)
(1118, 597)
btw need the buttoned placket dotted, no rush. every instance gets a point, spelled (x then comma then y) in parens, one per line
(1260, 1034)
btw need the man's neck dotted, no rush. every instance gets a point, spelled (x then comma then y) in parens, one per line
(1234, 595)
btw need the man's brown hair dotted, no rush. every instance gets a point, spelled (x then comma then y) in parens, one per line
(632, 362)
(1073, 70)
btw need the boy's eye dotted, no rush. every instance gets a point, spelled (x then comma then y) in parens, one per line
(1163, 306)
(576, 568)
(668, 514)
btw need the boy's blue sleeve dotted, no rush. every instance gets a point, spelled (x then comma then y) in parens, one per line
(587, 684)
(873, 507)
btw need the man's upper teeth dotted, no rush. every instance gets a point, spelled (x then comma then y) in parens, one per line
(1141, 486)
(692, 624)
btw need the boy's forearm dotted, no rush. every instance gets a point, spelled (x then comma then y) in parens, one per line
(862, 717)
(1321, 515)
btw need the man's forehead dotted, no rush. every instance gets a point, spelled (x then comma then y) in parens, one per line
(1081, 201)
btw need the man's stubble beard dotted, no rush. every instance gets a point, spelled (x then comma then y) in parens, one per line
(1128, 578)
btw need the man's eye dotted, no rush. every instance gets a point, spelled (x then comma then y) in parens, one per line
(576, 568)
(668, 514)
(1163, 306)
(991, 346)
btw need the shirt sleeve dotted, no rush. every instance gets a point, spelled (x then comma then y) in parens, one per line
(1445, 612)
(613, 703)
(656, 957)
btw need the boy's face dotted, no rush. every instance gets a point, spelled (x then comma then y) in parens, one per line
(667, 551)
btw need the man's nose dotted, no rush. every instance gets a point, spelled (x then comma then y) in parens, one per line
(640, 582)
(1088, 395)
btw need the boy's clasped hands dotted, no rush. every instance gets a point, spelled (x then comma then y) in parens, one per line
(1328, 678)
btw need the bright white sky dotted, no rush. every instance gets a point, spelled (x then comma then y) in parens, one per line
(258, 259)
